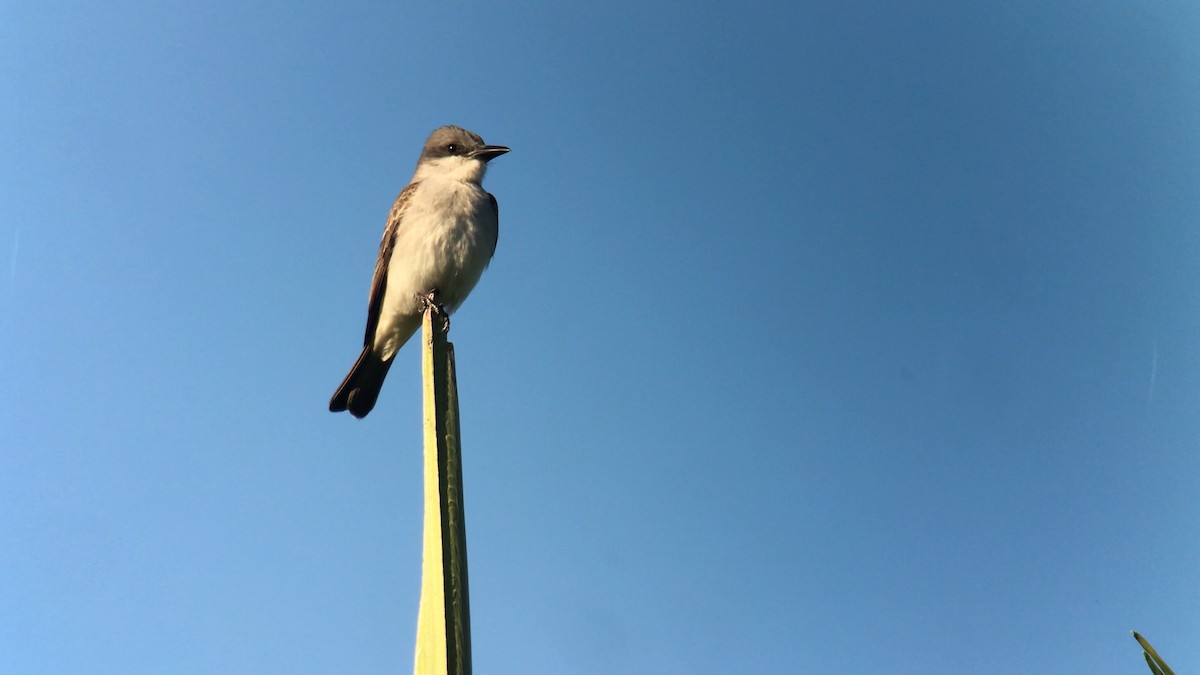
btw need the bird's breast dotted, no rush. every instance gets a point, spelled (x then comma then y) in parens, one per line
(444, 241)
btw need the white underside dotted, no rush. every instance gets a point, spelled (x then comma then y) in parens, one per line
(445, 241)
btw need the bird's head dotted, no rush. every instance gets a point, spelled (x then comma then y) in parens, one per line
(455, 153)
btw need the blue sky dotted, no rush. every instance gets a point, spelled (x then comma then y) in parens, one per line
(821, 337)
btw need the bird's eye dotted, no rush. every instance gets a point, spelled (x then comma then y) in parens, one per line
(452, 148)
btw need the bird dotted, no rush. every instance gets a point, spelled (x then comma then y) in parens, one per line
(441, 234)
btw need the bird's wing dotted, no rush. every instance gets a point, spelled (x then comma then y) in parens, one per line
(379, 281)
(496, 215)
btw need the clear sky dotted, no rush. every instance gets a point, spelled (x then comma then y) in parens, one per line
(832, 336)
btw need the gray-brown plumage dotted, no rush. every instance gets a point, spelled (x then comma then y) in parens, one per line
(440, 236)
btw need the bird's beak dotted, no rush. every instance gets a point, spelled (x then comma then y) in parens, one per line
(488, 152)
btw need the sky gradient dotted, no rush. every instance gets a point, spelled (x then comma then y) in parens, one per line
(820, 337)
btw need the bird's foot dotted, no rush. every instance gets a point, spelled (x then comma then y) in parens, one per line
(429, 302)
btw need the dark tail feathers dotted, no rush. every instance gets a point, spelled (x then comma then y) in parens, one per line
(358, 391)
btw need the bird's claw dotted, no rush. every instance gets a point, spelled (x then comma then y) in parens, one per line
(429, 301)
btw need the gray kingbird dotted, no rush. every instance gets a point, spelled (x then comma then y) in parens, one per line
(440, 236)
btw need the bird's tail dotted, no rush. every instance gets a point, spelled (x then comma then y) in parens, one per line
(358, 391)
